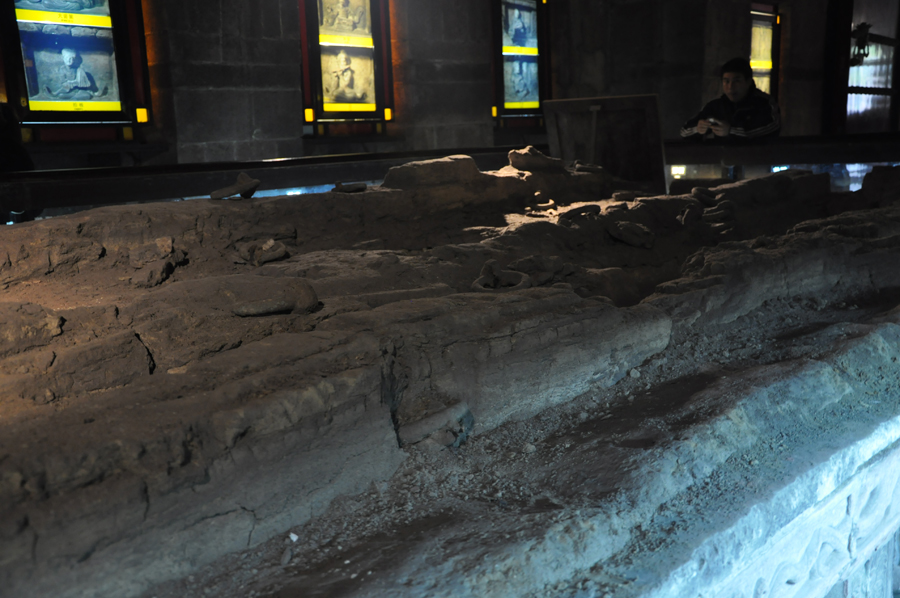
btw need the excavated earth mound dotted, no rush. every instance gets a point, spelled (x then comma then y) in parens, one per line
(458, 383)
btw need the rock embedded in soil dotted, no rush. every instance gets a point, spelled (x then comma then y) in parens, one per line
(26, 326)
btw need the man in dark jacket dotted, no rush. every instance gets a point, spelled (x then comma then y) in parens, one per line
(742, 112)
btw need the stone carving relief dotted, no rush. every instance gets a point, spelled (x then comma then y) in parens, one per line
(828, 542)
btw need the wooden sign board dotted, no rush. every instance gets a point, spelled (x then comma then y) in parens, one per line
(620, 133)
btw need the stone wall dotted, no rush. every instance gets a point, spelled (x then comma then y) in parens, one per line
(442, 72)
(226, 78)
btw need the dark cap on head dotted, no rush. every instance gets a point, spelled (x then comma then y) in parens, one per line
(738, 65)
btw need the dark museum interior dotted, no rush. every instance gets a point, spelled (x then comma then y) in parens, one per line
(472, 298)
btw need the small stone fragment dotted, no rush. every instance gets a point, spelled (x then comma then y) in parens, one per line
(715, 215)
(286, 556)
(624, 195)
(494, 278)
(262, 296)
(245, 187)
(155, 273)
(532, 160)
(529, 448)
(25, 326)
(148, 253)
(634, 373)
(632, 233)
(704, 195)
(258, 255)
(349, 187)
(583, 167)
(690, 215)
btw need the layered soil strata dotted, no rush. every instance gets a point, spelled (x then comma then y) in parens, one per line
(186, 381)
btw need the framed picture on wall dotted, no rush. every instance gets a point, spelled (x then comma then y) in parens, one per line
(521, 58)
(348, 87)
(75, 61)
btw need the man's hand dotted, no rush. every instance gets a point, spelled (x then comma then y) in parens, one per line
(720, 129)
(703, 126)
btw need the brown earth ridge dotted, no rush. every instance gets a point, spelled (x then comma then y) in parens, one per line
(187, 382)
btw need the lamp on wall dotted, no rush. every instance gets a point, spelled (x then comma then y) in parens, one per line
(861, 50)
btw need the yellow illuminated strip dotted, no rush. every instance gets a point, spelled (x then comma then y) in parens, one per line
(62, 18)
(521, 104)
(519, 51)
(335, 107)
(77, 106)
(346, 40)
(761, 65)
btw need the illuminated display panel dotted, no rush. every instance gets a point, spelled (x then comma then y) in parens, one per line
(520, 26)
(520, 82)
(348, 79)
(68, 55)
(765, 46)
(521, 62)
(347, 55)
(346, 67)
(521, 85)
(761, 51)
